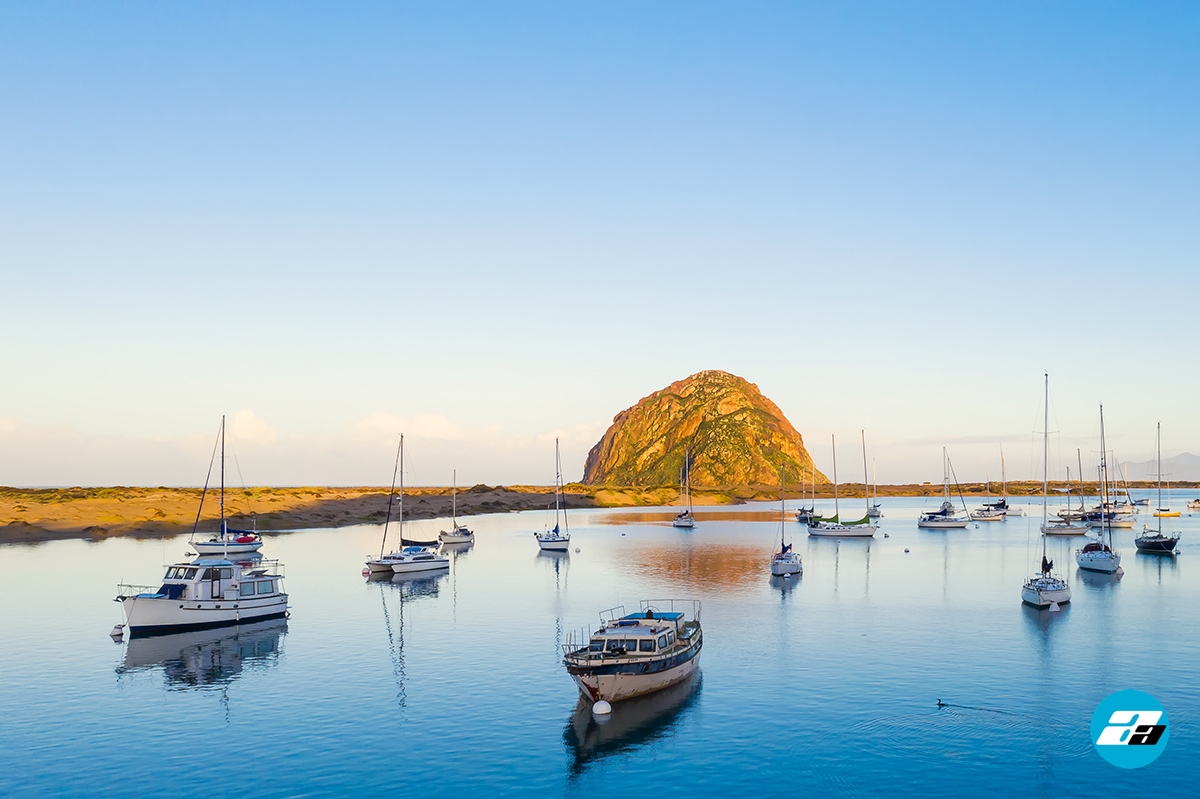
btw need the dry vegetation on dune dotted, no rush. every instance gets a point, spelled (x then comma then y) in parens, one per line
(44, 514)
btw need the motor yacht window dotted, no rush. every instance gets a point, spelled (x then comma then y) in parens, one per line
(246, 589)
(226, 574)
(670, 638)
(190, 574)
(597, 645)
(264, 587)
(208, 574)
(616, 646)
(646, 645)
(662, 642)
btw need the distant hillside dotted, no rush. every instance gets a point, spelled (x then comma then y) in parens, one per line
(1185, 467)
(736, 437)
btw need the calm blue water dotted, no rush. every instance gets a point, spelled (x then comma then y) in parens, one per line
(453, 686)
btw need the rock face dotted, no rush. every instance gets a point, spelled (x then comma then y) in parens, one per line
(736, 437)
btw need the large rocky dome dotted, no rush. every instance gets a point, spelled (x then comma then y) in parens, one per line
(736, 437)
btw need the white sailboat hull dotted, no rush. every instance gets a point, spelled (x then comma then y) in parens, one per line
(1064, 529)
(554, 544)
(456, 538)
(1104, 562)
(784, 567)
(830, 530)
(987, 517)
(218, 548)
(943, 524)
(417, 567)
(1042, 593)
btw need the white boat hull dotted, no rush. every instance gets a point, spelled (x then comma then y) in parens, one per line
(825, 530)
(153, 616)
(217, 548)
(615, 687)
(1043, 597)
(684, 523)
(987, 517)
(456, 538)
(1104, 562)
(943, 524)
(782, 568)
(1116, 524)
(1064, 529)
(417, 567)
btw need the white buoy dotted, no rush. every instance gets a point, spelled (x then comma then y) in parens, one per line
(1054, 607)
(601, 708)
(118, 631)
(576, 550)
(839, 541)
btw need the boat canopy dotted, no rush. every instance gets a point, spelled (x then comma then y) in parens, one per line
(858, 522)
(654, 614)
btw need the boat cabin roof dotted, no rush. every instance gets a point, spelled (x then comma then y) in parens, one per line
(652, 615)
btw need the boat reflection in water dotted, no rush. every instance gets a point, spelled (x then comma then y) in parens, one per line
(407, 588)
(206, 657)
(634, 723)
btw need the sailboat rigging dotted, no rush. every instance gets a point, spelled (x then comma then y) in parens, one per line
(1044, 590)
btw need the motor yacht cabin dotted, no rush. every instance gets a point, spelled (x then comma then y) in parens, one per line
(203, 593)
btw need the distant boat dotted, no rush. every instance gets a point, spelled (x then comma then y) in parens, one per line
(1044, 590)
(805, 515)
(989, 512)
(1193, 504)
(873, 510)
(1158, 542)
(685, 518)
(557, 540)
(785, 562)
(1099, 555)
(946, 517)
(1061, 526)
(458, 534)
(227, 541)
(411, 559)
(834, 527)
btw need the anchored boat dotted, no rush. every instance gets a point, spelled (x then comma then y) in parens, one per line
(459, 534)
(637, 653)
(1099, 555)
(557, 540)
(1044, 590)
(203, 593)
(833, 526)
(685, 518)
(946, 517)
(786, 561)
(409, 559)
(1157, 542)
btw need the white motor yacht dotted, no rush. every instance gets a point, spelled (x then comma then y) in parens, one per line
(635, 654)
(203, 593)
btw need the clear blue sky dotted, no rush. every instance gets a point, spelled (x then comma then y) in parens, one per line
(488, 223)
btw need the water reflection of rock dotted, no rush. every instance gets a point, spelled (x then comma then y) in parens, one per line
(708, 565)
(633, 723)
(668, 516)
(206, 657)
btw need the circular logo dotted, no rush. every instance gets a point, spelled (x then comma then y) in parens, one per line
(1129, 729)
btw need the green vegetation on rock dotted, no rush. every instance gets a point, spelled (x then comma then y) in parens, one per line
(735, 435)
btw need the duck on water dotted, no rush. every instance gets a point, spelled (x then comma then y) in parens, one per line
(637, 653)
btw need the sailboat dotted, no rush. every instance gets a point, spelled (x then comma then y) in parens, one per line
(873, 510)
(805, 515)
(990, 512)
(1157, 542)
(408, 559)
(833, 526)
(458, 534)
(1060, 525)
(227, 541)
(558, 539)
(685, 518)
(785, 562)
(1044, 590)
(1098, 555)
(945, 517)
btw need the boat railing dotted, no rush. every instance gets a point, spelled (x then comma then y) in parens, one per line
(613, 613)
(130, 589)
(268, 568)
(670, 606)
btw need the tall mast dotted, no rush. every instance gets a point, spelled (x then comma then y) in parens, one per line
(388, 518)
(454, 500)
(1045, 462)
(866, 486)
(945, 476)
(687, 468)
(833, 444)
(222, 475)
(559, 487)
(1003, 473)
(1079, 463)
(875, 480)
(1104, 483)
(400, 509)
(1160, 505)
(782, 494)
